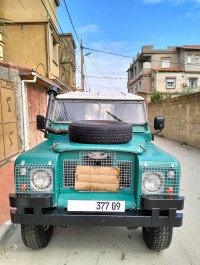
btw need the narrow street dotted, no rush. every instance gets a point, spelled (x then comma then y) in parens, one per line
(114, 245)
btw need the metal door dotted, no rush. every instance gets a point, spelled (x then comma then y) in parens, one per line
(8, 121)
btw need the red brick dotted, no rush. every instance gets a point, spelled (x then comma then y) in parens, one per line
(6, 187)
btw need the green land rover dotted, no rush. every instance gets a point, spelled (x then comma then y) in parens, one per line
(99, 167)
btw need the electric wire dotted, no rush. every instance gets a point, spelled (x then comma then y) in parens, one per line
(102, 74)
(110, 77)
(68, 44)
(71, 22)
(116, 54)
(86, 76)
(77, 38)
(76, 65)
(122, 55)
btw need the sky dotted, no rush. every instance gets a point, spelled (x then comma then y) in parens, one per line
(123, 27)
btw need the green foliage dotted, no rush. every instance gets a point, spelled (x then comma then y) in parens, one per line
(160, 135)
(156, 96)
(168, 96)
(184, 143)
(189, 90)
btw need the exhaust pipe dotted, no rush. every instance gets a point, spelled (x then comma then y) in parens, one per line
(52, 91)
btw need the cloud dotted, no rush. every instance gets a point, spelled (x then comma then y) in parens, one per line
(109, 65)
(89, 29)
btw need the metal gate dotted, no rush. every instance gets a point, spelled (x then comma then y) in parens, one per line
(8, 121)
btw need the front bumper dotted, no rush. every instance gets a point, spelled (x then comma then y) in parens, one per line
(37, 210)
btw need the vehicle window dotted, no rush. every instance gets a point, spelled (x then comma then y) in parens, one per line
(66, 111)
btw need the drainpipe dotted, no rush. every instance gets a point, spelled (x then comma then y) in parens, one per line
(25, 108)
(50, 52)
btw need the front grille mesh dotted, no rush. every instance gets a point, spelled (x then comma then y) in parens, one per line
(69, 168)
(167, 182)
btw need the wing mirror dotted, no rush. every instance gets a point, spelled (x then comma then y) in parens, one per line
(40, 123)
(159, 124)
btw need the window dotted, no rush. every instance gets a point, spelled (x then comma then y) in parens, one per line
(66, 111)
(193, 82)
(135, 71)
(165, 63)
(170, 82)
(189, 59)
(131, 73)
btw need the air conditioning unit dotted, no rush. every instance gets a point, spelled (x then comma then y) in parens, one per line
(186, 84)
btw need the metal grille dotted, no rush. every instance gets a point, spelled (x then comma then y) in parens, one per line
(166, 182)
(69, 167)
(25, 179)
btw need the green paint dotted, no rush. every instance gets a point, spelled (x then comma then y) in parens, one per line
(56, 149)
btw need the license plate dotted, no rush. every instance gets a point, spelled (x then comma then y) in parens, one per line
(96, 206)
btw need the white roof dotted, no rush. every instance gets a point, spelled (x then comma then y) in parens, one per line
(99, 95)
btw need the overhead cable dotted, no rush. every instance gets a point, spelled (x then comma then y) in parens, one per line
(102, 73)
(71, 22)
(116, 54)
(110, 77)
(61, 31)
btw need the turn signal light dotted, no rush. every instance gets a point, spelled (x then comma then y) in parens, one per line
(23, 187)
(169, 190)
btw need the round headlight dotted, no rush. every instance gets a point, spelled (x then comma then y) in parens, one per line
(152, 182)
(41, 179)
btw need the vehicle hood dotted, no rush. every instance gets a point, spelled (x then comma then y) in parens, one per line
(62, 144)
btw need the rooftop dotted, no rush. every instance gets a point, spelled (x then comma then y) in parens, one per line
(197, 47)
(100, 95)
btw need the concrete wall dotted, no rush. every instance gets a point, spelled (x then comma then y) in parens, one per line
(27, 46)
(156, 59)
(33, 11)
(67, 60)
(181, 78)
(182, 118)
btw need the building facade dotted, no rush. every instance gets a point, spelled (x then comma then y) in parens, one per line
(169, 71)
(67, 61)
(32, 36)
(29, 64)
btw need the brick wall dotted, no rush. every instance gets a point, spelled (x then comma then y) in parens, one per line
(37, 104)
(182, 118)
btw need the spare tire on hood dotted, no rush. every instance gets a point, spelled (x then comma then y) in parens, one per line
(100, 132)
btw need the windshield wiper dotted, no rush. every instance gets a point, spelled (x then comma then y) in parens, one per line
(115, 117)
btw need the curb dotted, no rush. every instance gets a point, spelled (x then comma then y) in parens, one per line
(6, 230)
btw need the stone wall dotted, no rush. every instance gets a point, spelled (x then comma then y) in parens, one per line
(182, 118)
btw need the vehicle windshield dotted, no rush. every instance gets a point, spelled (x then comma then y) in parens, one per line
(66, 111)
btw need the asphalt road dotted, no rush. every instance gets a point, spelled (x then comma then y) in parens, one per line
(107, 245)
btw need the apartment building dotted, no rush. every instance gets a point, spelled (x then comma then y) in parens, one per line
(167, 71)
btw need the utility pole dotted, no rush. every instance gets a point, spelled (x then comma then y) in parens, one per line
(82, 73)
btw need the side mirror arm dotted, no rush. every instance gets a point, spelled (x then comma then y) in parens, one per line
(155, 133)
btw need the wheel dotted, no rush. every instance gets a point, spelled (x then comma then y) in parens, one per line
(100, 132)
(157, 238)
(36, 236)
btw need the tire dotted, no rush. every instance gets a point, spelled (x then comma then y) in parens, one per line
(36, 236)
(157, 238)
(100, 132)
